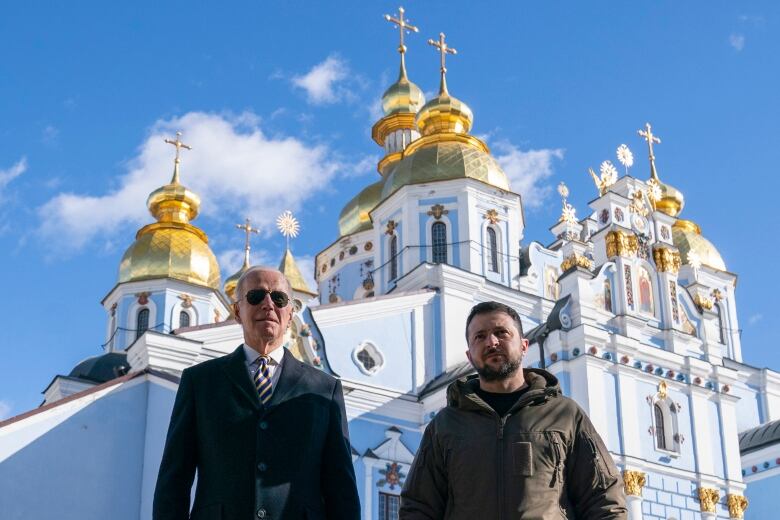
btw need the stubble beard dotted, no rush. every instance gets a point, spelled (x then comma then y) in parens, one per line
(505, 370)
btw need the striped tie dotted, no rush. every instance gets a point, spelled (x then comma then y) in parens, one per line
(263, 380)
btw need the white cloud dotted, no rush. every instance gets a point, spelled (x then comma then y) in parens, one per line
(321, 82)
(365, 166)
(5, 410)
(737, 41)
(528, 170)
(233, 166)
(9, 174)
(230, 260)
(755, 318)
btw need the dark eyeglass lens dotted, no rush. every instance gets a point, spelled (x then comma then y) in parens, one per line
(256, 296)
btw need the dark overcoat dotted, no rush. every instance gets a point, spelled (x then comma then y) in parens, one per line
(286, 460)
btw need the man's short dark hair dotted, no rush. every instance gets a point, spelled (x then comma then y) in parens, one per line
(488, 307)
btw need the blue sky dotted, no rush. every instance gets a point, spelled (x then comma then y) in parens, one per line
(278, 98)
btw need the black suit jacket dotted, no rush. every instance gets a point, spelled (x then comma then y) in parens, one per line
(289, 459)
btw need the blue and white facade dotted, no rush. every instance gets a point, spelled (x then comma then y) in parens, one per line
(647, 344)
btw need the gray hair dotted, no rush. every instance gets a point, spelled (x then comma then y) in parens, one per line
(254, 269)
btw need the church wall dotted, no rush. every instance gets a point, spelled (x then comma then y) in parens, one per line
(160, 400)
(99, 449)
(666, 496)
(762, 497)
(391, 334)
(716, 439)
(611, 435)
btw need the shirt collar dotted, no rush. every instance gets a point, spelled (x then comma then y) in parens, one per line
(276, 354)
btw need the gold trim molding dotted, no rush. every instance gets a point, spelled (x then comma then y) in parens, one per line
(620, 243)
(737, 505)
(633, 482)
(446, 137)
(387, 160)
(703, 302)
(708, 498)
(666, 260)
(575, 260)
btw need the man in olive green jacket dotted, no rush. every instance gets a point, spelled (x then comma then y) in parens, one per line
(509, 445)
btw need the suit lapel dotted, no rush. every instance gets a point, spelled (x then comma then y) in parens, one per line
(235, 367)
(292, 371)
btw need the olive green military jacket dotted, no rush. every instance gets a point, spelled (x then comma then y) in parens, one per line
(543, 460)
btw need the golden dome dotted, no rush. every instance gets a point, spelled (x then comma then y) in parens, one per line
(289, 268)
(672, 200)
(452, 156)
(232, 282)
(403, 96)
(171, 247)
(444, 114)
(354, 217)
(687, 238)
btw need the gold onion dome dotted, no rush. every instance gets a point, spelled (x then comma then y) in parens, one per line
(171, 247)
(672, 200)
(444, 114)
(687, 237)
(403, 96)
(289, 268)
(355, 215)
(232, 282)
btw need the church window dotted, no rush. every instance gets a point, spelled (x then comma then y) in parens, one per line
(142, 322)
(551, 288)
(645, 292)
(660, 430)
(394, 257)
(493, 246)
(439, 242)
(184, 319)
(368, 358)
(388, 506)
(719, 323)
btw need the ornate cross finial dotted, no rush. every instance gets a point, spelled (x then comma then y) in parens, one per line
(247, 227)
(647, 134)
(179, 145)
(444, 49)
(288, 225)
(568, 213)
(403, 25)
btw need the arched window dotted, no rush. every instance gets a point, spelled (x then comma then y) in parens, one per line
(439, 242)
(645, 292)
(493, 247)
(184, 319)
(719, 323)
(394, 257)
(141, 322)
(660, 427)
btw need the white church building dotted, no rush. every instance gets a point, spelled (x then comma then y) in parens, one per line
(630, 307)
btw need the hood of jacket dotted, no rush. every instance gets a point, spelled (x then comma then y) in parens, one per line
(542, 386)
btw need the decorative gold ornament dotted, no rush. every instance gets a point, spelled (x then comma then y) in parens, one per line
(653, 192)
(217, 315)
(186, 300)
(437, 210)
(492, 216)
(390, 227)
(702, 302)
(737, 505)
(568, 213)
(708, 498)
(143, 297)
(625, 157)
(717, 295)
(633, 482)
(608, 177)
(576, 260)
(638, 204)
(288, 226)
(621, 243)
(666, 260)
(663, 390)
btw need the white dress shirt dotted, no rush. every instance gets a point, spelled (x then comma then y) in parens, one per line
(274, 363)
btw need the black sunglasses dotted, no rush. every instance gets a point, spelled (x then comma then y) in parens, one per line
(256, 297)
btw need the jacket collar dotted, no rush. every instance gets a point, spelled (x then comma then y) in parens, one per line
(235, 367)
(542, 386)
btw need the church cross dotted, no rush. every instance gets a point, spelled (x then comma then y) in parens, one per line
(444, 49)
(403, 25)
(650, 138)
(179, 145)
(247, 227)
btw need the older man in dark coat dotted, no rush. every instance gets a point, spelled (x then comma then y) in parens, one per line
(266, 433)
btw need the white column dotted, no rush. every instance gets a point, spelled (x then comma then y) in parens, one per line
(634, 505)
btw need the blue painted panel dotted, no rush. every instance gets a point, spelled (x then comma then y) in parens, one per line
(762, 496)
(96, 451)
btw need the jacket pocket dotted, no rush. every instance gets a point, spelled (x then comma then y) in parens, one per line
(604, 469)
(211, 512)
(523, 459)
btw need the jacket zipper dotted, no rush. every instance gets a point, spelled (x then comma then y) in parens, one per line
(598, 464)
(500, 486)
